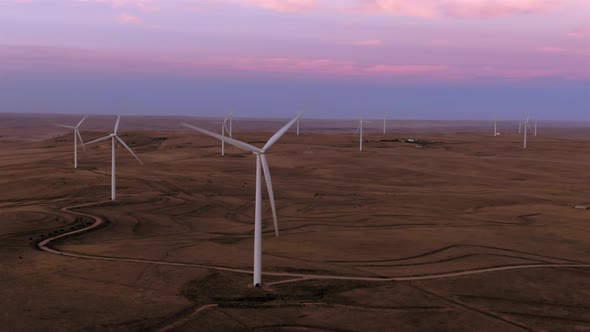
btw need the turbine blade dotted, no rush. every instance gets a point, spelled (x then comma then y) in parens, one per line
(281, 132)
(357, 129)
(99, 139)
(79, 123)
(271, 195)
(234, 142)
(128, 149)
(80, 137)
(117, 124)
(64, 126)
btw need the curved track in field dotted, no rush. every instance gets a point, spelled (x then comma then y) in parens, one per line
(45, 245)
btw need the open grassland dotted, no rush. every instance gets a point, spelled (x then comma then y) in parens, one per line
(459, 202)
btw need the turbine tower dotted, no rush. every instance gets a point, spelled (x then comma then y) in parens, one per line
(261, 164)
(359, 130)
(495, 126)
(76, 137)
(229, 116)
(224, 129)
(384, 123)
(525, 124)
(114, 138)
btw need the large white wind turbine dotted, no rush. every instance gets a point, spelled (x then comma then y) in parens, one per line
(114, 137)
(224, 129)
(260, 163)
(76, 137)
(359, 130)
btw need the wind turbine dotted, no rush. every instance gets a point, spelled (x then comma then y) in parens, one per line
(535, 127)
(260, 163)
(525, 124)
(76, 137)
(359, 129)
(229, 116)
(114, 137)
(224, 128)
(298, 127)
(384, 123)
(495, 126)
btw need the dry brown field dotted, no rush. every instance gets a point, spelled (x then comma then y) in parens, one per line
(480, 234)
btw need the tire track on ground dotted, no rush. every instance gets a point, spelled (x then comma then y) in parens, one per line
(98, 221)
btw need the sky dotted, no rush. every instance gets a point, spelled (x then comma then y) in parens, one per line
(413, 59)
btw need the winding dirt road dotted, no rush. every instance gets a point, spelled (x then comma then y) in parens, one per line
(98, 221)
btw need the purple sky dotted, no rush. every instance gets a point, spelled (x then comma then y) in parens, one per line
(455, 59)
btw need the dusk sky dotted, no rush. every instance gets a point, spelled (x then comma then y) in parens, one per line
(415, 59)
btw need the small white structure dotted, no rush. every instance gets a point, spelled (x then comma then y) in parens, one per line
(76, 137)
(115, 138)
(496, 133)
(359, 130)
(526, 128)
(224, 129)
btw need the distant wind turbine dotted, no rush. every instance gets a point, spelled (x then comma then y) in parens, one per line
(525, 125)
(114, 137)
(359, 130)
(495, 126)
(261, 163)
(76, 137)
(384, 123)
(230, 118)
(224, 129)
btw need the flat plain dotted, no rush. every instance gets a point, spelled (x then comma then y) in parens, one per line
(454, 232)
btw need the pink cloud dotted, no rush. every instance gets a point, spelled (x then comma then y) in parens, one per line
(516, 74)
(466, 9)
(563, 51)
(39, 59)
(143, 5)
(327, 66)
(406, 69)
(552, 50)
(423, 9)
(581, 32)
(368, 42)
(128, 19)
(323, 66)
(279, 5)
